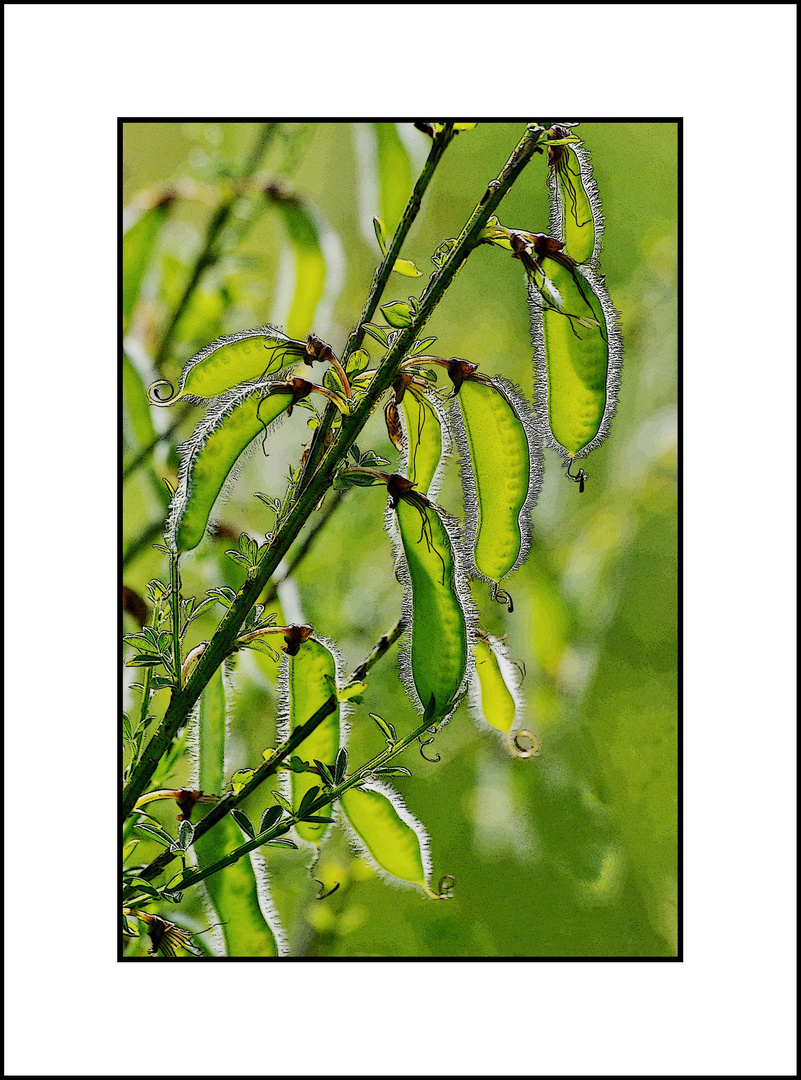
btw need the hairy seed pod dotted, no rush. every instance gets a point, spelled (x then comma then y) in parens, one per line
(247, 356)
(578, 356)
(384, 830)
(495, 697)
(501, 464)
(576, 216)
(435, 605)
(427, 440)
(208, 457)
(310, 680)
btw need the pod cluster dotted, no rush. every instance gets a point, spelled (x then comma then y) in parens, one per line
(574, 326)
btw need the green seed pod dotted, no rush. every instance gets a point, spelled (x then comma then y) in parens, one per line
(307, 681)
(436, 603)
(138, 242)
(501, 464)
(247, 356)
(209, 456)
(239, 893)
(495, 697)
(427, 442)
(577, 364)
(576, 216)
(384, 831)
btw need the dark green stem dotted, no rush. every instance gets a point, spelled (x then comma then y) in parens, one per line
(380, 280)
(184, 700)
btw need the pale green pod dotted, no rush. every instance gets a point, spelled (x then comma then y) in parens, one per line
(576, 216)
(577, 367)
(238, 892)
(308, 682)
(212, 452)
(245, 357)
(495, 697)
(427, 440)
(309, 265)
(138, 242)
(501, 464)
(384, 831)
(435, 606)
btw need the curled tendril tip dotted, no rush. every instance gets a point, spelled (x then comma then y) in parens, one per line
(155, 398)
(423, 754)
(520, 749)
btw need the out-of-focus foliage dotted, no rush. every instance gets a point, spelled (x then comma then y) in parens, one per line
(573, 852)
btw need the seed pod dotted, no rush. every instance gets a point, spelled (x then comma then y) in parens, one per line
(386, 833)
(577, 364)
(239, 893)
(427, 439)
(209, 456)
(307, 682)
(435, 603)
(247, 356)
(138, 243)
(501, 465)
(495, 697)
(576, 216)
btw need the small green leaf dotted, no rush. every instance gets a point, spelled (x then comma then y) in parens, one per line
(351, 691)
(386, 727)
(186, 833)
(240, 779)
(153, 832)
(357, 362)
(283, 840)
(244, 823)
(397, 314)
(378, 333)
(282, 801)
(391, 770)
(316, 819)
(325, 772)
(128, 849)
(341, 764)
(269, 818)
(421, 346)
(406, 268)
(307, 800)
(380, 234)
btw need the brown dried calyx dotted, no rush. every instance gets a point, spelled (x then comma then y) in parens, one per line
(317, 349)
(398, 487)
(298, 388)
(294, 636)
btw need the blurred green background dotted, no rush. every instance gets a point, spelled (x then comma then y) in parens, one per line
(572, 853)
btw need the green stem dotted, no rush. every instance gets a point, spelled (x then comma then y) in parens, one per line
(175, 611)
(208, 254)
(380, 279)
(184, 700)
